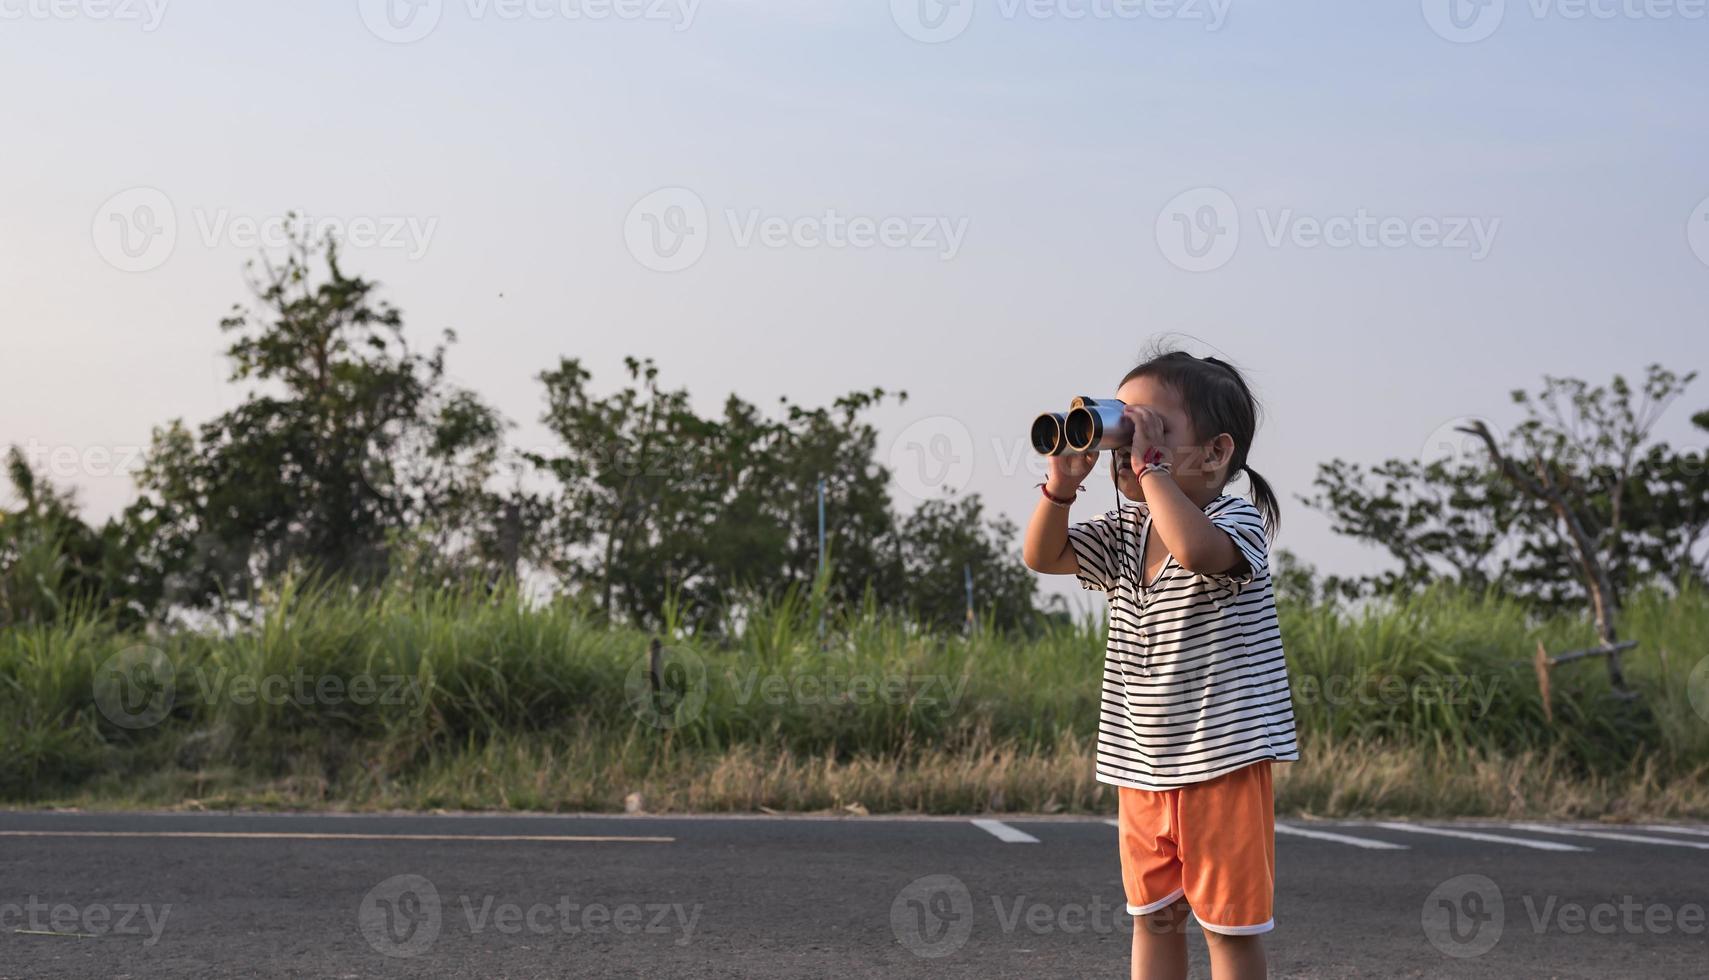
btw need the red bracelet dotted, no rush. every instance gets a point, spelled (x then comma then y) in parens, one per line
(1058, 501)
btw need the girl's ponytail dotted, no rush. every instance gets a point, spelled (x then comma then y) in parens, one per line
(1265, 499)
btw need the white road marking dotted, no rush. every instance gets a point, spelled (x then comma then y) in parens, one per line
(1673, 829)
(1540, 845)
(1610, 835)
(1366, 842)
(1004, 832)
(261, 835)
(1113, 822)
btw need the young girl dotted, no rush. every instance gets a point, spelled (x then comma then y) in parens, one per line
(1196, 704)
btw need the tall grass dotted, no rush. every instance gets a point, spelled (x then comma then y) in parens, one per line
(477, 699)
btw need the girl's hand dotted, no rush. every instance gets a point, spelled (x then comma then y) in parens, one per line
(1147, 433)
(1067, 472)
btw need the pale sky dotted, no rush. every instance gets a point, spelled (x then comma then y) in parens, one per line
(1398, 212)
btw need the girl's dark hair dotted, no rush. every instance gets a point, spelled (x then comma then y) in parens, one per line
(1217, 400)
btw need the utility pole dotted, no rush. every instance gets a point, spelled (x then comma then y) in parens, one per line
(967, 573)
(821, 583)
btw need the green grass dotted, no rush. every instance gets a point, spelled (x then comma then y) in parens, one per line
(1427, 706)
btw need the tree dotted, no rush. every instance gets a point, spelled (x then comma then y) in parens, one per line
(1579, 506)
(1579, 452)
(947, 539)
(300, 475)
(1437, 520)
(655, 501)
(53, 564)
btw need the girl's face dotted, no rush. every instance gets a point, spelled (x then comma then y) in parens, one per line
(1195, 466)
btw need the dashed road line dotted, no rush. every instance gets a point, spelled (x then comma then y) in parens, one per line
(1004, 832)
(1540, 845)
(1369, 843)
(263, 835)
(1611, 835)
(1668, 828)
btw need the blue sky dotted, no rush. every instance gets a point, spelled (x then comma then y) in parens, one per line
(1035, 172)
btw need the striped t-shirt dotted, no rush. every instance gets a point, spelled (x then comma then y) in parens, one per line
(1194, 681)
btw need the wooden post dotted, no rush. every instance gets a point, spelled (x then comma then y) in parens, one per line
(1541, 662)
(655, 665)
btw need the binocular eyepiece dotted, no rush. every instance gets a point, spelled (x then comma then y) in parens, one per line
(1089, 425)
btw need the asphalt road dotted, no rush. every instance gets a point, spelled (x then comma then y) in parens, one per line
(216, 895)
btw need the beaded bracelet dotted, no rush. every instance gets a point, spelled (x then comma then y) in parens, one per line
(1064, 503)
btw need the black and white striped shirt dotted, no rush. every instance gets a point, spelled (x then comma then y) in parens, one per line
(1195, 685)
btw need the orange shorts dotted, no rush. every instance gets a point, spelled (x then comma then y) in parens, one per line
(1212, 842)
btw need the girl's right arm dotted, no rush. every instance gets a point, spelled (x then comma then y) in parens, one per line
(1046, 548)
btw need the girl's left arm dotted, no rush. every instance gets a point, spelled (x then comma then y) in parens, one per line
(1198, 545)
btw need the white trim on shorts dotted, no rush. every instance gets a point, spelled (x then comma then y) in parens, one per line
(1264, 926)
(1154, 906)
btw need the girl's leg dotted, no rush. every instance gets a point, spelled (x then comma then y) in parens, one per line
(1236, 957)
(1160, 943)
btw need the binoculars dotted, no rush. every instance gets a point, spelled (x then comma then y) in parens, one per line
(1089, 425)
